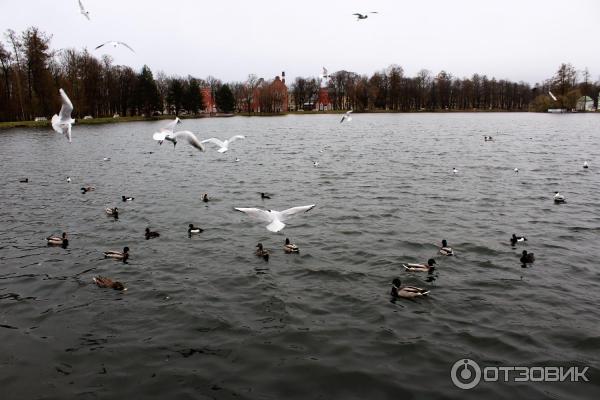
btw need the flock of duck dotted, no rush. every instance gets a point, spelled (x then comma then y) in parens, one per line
(399, 291)
(62, 123)
(274, 217)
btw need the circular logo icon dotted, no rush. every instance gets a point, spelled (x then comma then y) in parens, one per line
(465, 374)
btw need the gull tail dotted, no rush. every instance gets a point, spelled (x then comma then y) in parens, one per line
(56, 124)
(275, 226)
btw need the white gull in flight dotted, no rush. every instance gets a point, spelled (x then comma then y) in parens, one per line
(62, 122)
(172, 137)
(115, 44)
(84, 11)
(223, 146)
(346, 117)
(274, 218)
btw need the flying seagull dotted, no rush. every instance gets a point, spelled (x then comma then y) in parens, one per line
(84, 11)
(346, 117)
(360, 16)
(551, 95)
(172, 137)
(115, 44)
(62, 122)
(275, 218)
(166, 131)
(223, 146)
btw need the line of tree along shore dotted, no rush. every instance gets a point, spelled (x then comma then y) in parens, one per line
(31, 73)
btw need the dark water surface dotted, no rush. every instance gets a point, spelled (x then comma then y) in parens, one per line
(204, 318)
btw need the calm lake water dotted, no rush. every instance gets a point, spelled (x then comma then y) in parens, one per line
(204, 318)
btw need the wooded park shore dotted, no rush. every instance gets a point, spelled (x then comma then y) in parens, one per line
(111, 120)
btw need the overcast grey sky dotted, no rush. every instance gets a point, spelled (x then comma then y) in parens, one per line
(229, 39)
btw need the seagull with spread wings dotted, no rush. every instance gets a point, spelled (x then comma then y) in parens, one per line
(360, 16)
(115, 44)
(83, 11)
(172, 137)
(223, 145)
(166, 131)
(274, 218)
(346, 117)
(62, 121)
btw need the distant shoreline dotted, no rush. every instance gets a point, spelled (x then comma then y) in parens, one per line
(110, 120)
(103, 120)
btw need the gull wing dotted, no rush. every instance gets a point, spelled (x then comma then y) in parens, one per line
(66, 108)
(81, 7)
(214, 141)
(190, 137)
(103, 44)
(286, 214)
(257, 213)
(159, 135)
(126, 45)
(171, 125)
(236, 137)
(349, 112)
(358, 15)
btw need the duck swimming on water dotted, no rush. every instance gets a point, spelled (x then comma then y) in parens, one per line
(514, 239)
(150, 234)
(118, 255)
(108, 283)
(445, 250)
(290, 247)
(262, 252)
(559, 198)
(527, 258)
(407, 292)
(421, 267)
(192, 229)
(58, 241)
(113, 212)
(125, 198)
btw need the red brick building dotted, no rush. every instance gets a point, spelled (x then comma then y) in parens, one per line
(208, 102)
(323, 103)
(271, 97)
(280, 93)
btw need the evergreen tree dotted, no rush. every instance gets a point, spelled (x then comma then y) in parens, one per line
(175, 95)
(224, 99)
(193, 97)
(39, 79)
(147, 98)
